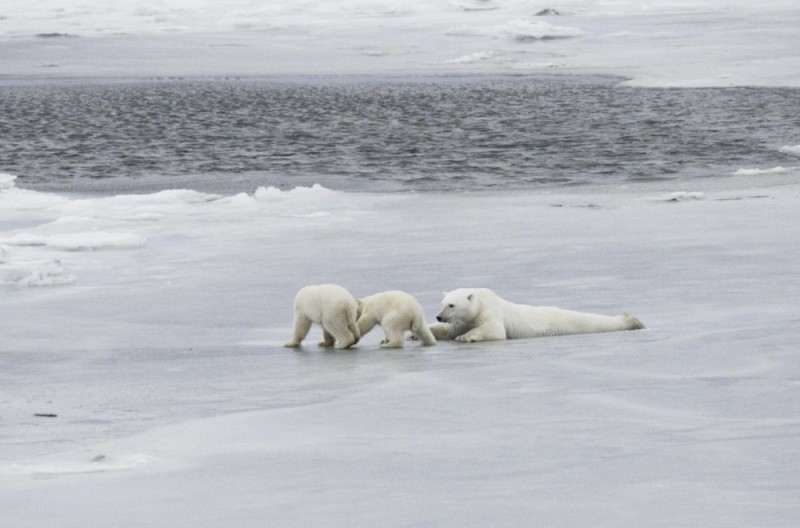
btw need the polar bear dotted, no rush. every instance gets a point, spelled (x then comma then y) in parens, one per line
(479, 314)
(330, 306)
(396, 312)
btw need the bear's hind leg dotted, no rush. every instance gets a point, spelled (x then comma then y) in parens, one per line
(632, 323)
(345, 339)
(302, 325)
(342, 330)
(327, 339)
(394, 326)
(393, 337)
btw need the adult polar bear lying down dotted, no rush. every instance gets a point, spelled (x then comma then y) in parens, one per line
(479, 314)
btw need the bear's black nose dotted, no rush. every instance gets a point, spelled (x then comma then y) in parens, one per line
(439, 318)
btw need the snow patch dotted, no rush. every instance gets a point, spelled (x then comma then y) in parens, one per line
(24, 239)
(168, 197)
(472, 58)
(95, 240)
(273, 194)
(6, 181)
(77, 241)
(34, 273)
(145, 217)
(756, 172)
(683, 196)
(791, 150)
(98, 464)
(519, 30)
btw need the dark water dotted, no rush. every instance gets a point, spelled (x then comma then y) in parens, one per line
(384, 134)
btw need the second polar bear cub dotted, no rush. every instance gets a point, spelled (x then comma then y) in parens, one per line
(479, 314)
(395, 312)
(330, 306)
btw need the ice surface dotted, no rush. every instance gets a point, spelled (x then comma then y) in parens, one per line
(152, 387)
(654, 43)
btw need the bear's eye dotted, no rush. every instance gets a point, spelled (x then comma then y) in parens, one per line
(451, 305)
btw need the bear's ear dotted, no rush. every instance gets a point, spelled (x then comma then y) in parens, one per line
(469, 297)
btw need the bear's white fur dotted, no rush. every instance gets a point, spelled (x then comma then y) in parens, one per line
(479, 314)
(395, 312)
(330, 306)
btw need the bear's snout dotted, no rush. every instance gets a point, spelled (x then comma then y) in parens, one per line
(440, 318)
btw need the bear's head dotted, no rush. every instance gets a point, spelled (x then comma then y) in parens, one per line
(458, 306)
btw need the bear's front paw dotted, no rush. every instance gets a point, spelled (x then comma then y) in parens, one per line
(466, 338)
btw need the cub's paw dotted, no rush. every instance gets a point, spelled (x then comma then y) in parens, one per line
(466, 338)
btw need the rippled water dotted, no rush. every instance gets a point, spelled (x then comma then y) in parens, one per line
(383, 134)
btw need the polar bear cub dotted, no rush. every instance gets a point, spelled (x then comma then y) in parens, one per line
(395, 312)
(479, 314)
(330, 306)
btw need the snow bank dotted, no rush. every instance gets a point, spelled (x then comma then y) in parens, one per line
(52, 226)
